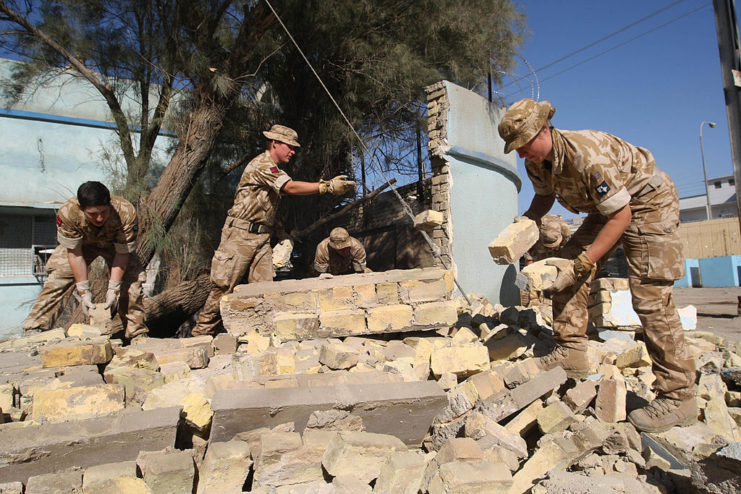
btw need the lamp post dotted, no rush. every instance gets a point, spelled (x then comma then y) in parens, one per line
(704, 172)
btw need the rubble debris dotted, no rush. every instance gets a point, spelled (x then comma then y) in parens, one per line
(289, 406)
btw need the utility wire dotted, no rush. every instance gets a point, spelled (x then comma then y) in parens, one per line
(604, 38)
(660, 26)
(407, 209)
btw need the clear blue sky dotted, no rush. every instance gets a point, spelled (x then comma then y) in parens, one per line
(652, 91)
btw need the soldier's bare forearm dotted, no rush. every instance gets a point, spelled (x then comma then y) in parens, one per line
(616, 225)
(77, 264)
(539, 206)
(119, 265)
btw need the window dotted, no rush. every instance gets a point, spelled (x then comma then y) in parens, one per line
(20, 236)
(717, 184)
(732, 181)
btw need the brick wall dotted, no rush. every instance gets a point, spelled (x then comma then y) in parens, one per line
(360, 304)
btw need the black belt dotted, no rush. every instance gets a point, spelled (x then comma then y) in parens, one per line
(250, 226)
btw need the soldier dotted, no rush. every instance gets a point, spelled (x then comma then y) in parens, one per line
(93, 224)
(339, 254)
(245, 239)
(630, 200)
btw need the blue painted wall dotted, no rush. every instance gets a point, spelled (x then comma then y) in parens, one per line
(52, 141)
(720, 271)
(483, 193)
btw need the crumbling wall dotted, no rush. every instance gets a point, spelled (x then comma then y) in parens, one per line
(350, 305)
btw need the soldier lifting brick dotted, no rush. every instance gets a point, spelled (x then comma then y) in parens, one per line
(245, 238)
(339, 254)
(628, 199)
(94, 224)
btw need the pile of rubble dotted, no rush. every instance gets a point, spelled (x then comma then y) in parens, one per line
(459, 409)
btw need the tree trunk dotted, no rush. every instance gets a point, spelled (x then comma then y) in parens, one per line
(167, 311)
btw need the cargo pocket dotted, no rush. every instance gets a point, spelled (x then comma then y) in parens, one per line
(222, 267)
(662, 257)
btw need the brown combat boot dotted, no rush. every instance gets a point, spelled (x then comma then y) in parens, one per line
(574, 362)
(664, 413)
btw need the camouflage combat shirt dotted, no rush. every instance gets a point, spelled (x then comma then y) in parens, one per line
(258, 191)
(328, 260)
(118, 232)
(592, 172)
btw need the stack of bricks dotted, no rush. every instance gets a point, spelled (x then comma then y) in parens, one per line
(351, 305)
(610, 304)
(437, 120)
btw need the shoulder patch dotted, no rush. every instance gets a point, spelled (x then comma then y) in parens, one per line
(602, 188)
(59, 221)
(274, 169)
(596, 176)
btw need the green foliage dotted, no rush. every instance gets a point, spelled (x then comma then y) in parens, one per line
(172, 57)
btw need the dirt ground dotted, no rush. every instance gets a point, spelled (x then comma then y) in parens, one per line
(717, 309)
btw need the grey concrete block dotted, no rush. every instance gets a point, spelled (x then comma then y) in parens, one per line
(43, 448)
(402, 409)
(67, 482)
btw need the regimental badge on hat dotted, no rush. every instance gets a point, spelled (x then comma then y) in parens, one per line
(523, 121)
(284, 134)
(339, 238)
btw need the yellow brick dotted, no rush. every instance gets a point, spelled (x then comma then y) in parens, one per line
(389, 318)
(77, 402)
(388, 293)
(336, 298)
(296, 326)
(449, 281)
(342, 322)
(462, 361)
(86, 353)
(436, 314)
(197, 411)
(295, 302)
(422, 290)
(366, 295)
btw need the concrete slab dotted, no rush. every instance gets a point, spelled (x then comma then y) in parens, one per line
(402, 409)
(37, 449)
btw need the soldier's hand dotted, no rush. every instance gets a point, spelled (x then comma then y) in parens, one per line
(84, 296)
(338, 186)
(571, 272)
(111, 296)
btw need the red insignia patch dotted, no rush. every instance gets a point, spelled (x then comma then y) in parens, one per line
(59, 221)
(274, 169)
(596, 176)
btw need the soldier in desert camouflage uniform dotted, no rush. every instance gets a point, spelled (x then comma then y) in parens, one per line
(245, 238)
(93, 225)
(339, 254)
(627, 199)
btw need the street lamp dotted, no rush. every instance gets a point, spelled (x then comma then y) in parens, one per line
(704, 172)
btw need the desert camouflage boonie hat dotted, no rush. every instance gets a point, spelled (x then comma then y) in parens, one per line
(551, 235)
(339, 238)
(523, 121)
(283, 134)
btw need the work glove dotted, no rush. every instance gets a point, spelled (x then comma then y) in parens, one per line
(338, 186)
(571, 272)
(84, 296)
(525, 216)
(111, 296)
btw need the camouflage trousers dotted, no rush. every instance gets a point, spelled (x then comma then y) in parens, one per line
(49, 303)
(240, 254)
(654, 254)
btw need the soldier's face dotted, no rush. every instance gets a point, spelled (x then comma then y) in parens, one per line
(283, 152)
(539, 148)
(97, 215)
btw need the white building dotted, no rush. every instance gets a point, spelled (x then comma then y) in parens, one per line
(722, 201)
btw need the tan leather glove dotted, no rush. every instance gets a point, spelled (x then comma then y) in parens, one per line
(111, 296)
(84, 296)
(338, 186)
(570, 272)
